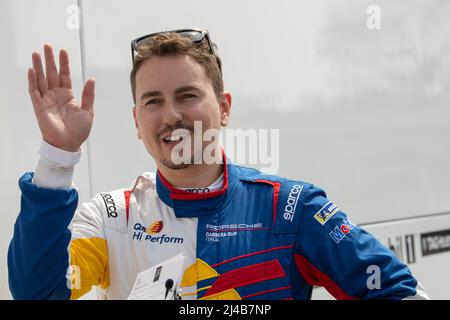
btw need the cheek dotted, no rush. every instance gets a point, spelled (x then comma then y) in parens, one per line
(147, 124)
(211, 117)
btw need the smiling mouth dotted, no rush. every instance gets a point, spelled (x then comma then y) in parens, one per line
(174, 139)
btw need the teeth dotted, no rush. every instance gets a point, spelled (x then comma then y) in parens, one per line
(174, 138)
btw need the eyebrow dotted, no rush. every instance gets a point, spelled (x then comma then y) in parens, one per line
(186, 88)
(149, 94)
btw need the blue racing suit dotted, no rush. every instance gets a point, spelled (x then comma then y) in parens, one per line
(258, 237)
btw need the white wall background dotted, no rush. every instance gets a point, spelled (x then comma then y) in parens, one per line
(362, 113)
(25, 27)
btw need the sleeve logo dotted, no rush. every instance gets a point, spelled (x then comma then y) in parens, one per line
(341, 232)
(326, 212)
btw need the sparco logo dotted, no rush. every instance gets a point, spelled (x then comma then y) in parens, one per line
(110, 205)
(291, 203)
(198, 190)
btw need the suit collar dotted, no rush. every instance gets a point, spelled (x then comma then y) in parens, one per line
(187, 204)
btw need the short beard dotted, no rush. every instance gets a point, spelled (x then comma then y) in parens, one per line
(173, 166)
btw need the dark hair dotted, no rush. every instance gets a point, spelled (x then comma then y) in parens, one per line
(171, 44)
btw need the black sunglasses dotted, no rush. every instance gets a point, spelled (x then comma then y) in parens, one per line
(196, 35)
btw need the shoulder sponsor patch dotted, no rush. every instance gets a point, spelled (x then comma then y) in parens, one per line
(326, 212)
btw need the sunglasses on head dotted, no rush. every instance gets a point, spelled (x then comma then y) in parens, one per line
(196, 35)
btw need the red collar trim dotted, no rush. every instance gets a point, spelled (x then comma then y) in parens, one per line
(178, 194)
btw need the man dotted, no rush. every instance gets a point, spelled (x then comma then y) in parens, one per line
(245, 235)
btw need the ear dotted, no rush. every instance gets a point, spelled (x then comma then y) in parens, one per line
(136, 124)
(225, 108)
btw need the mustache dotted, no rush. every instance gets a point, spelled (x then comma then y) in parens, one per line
(170, 128)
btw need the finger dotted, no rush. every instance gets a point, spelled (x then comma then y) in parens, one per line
(64, 69)
(50, 67)
(39, 72)
(87, 98)
(35, 95)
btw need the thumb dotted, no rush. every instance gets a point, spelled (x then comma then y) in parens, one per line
(88, 95)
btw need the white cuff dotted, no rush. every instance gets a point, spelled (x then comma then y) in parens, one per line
(49, 176)
(59, 157)
(55, 167)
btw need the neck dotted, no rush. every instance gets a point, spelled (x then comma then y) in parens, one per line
(194, 176)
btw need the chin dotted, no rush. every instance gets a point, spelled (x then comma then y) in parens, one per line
(173, 166)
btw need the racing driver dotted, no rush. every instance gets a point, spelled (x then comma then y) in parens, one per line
(244, 234)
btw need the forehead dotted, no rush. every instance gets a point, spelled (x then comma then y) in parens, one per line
(170, 72)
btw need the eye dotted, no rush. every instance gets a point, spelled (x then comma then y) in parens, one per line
(152, 102)
(188, 96)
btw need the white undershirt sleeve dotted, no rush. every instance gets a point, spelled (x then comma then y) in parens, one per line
(55, 167)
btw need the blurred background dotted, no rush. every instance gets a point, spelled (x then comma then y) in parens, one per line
(359, 91)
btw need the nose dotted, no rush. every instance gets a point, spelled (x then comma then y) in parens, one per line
(172, 113)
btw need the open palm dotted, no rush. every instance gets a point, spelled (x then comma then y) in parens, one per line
(63, 122)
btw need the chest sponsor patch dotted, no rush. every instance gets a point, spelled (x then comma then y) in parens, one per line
(326, 212)
(151, 234)
(215, 232)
